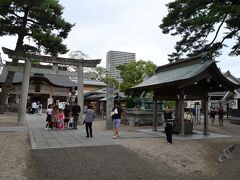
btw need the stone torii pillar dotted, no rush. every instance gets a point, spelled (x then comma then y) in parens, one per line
(79, 63)
(80, 90)
(24, 92)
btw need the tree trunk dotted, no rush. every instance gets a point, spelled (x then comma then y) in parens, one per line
(10, 75)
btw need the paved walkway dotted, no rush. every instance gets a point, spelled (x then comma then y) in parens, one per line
(44, 139)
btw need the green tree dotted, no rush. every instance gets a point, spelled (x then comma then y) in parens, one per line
(204, 26)
(39, 22)
(134, 73)
(103, 75)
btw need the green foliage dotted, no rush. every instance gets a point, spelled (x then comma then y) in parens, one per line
(134, 73)
(200, 24)
(39, 21)
(103, 75)
(130, 103)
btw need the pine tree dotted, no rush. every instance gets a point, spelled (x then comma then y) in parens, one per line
(40, 22)
(204, 26)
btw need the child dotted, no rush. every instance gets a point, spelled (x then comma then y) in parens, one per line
(54, 118)
(71, 123)
(49, 117)
(60, 118)
(39, 109)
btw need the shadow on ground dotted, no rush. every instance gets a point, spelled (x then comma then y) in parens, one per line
(102, 162)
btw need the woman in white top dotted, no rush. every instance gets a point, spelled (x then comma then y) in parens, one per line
(49, 117)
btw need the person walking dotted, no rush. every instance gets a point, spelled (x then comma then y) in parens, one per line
(117, 112)
(220, 116)
(49, 117)
(89, 119)
(212, 115)
(169, 127)
(76, 109)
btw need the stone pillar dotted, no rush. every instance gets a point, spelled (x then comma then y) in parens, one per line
(155, 114)
(205, 111)
(80, 91)
(50, 92)
(181, 102)
(109, 105)
(24, 93)
(55, 67)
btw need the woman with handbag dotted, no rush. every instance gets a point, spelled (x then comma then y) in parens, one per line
(117, 112)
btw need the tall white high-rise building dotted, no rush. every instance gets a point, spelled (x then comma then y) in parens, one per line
(116, 58)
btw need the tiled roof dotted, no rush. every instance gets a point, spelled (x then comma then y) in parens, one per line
(185, 73)
(92, 82)
(172, 75)
(58, 80)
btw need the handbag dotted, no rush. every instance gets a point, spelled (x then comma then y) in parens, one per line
(114, 113)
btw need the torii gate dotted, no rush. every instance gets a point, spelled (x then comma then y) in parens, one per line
(26, 69)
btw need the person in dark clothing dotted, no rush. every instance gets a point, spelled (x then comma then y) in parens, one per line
(169, 127)
(76, 109)
(220, 116)
(67, 115)
(212, 115)
(89, 119)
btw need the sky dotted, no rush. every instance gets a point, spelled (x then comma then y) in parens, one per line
(122, 25)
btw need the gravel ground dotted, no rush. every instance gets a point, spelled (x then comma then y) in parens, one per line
(191, 159)
(183, 159)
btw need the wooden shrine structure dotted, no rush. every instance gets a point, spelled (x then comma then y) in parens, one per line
(187, 79)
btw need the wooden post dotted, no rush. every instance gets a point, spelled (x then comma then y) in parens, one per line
(227, 110)
(24, 93)
(205, 110)
(178, 110)
(155, 114)
(181, 102)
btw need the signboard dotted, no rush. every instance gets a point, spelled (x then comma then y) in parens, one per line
(235, 104)
(49, 101)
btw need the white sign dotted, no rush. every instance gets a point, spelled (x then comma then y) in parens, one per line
(235, 104)
(49, 101)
